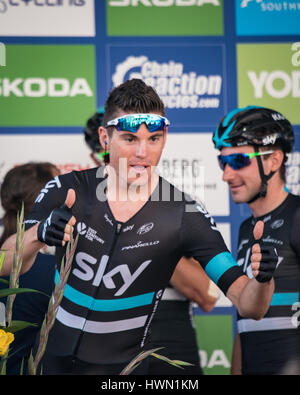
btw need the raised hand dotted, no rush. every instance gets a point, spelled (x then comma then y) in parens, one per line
(264, 258)
(57, 228)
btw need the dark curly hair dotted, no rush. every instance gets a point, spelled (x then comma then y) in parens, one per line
(132, 96)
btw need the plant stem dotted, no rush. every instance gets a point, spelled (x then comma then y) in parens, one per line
(53, 306)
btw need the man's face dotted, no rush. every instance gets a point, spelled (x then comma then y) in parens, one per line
(244, 183)
(134, 156)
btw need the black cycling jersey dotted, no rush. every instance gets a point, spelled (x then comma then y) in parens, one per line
(268, 344)
(120, 270)
(173, 329)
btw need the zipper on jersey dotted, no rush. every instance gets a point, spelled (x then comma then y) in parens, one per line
(117, 232)
(119, 226)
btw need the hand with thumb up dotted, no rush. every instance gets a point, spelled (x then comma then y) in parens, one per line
(57, 228)
(264, 258)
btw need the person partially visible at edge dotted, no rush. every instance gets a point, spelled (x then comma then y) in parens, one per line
(254, 143)
(172, 328)
(133, 227)
(22, 184)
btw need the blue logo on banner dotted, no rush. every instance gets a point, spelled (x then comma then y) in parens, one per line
(189, 79)
(259, 17)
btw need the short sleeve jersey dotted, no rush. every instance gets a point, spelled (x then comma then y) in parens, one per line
(119, 270)
(268, 344)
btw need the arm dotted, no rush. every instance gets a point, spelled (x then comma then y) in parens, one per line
(202, 240)
(252, 297)
(55, 230)
(191, 280)
(31, 247)
(236, 360)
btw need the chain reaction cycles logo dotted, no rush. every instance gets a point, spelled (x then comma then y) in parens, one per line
(176, 88)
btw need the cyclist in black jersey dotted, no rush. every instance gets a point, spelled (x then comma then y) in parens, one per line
(172, 328)
(133, 228)
(271, 345)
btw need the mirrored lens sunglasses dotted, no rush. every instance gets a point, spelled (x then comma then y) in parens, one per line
(132, 122)
(239, 160)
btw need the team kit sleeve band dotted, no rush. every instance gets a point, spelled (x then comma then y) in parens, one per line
(223, 270)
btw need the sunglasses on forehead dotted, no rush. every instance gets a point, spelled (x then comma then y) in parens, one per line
(132, 122)
(239, 160)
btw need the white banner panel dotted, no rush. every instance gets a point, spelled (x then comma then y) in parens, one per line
(224, 228)
(189, 161)
(47, 18)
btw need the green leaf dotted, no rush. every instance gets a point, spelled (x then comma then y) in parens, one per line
(16, 326)
(11, 291)
(2, 257)
(3, 366)
(31, 366)
(172, 362)
(182, 363)
(137, 360)
(22, 367)
(4, 281)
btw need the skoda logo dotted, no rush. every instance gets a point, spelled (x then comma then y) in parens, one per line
(145, 228)
(81, 228)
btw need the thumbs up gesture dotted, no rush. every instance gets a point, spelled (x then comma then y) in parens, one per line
(264, 258)
(57, 228)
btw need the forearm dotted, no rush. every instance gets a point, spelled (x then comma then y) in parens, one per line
(191, 280)
(251, 298)
(31, 247)
(255, 299)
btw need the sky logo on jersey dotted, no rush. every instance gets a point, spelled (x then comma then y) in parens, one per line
(87, 273)
(164, 17)
(278, 17)
(47, 85)
(189, 79)
(268, 77)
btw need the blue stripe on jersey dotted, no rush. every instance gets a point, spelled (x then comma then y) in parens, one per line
(105, 304)
(218, 265)
(284, 298)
